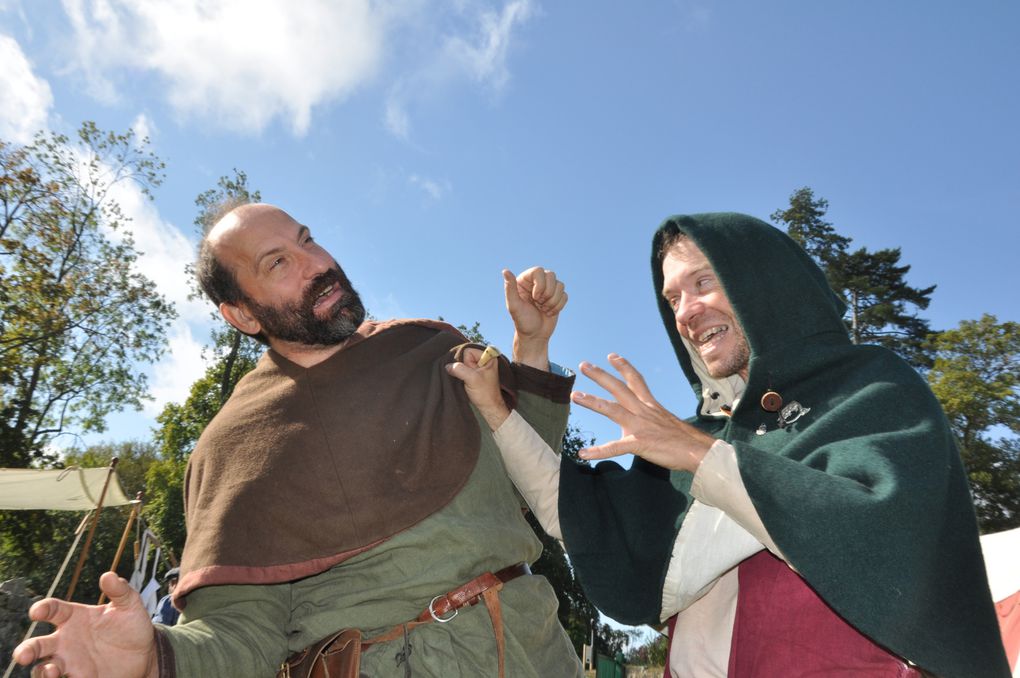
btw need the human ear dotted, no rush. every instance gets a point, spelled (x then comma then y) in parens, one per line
(239, 317)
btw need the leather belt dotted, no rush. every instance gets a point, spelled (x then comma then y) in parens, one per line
(444, 608)
(340, 654)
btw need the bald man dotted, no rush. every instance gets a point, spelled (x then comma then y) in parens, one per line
(347, 483)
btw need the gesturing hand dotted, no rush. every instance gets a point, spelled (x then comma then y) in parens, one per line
(534, 299)
(648, 429)
(93, 641)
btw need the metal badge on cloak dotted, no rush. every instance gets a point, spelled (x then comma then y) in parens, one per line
(773, 402)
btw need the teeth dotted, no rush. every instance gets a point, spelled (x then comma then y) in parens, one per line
(705, 336)
(326, 291)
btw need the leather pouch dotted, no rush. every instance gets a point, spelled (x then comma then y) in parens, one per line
(336, 656)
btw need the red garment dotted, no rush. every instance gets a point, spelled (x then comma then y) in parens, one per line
(1009, 625)
(784, 629)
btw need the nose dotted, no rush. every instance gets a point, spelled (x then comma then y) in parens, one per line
(688, 306)
(315, 263)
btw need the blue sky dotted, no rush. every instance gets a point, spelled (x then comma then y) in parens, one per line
(430, 144)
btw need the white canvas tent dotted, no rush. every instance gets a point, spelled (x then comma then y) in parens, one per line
(71, 489)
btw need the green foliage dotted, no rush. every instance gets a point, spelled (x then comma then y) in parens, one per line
(881, 305)
(804, 223)
(164, 504)
(976, 377)
(231, 355)
(612, 642)
(651, 652)
(875, 289)
(76, 317)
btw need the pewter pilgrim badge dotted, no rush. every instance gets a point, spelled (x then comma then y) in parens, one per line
(791, 413)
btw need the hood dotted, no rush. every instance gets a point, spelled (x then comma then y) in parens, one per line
(779, 295)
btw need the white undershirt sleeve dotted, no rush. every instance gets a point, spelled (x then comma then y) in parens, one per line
(534, 468)
(720, 530)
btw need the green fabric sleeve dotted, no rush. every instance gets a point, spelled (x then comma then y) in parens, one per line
(230, 631)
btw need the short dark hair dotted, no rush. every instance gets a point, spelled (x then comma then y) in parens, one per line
(217, 281)
(671, 239)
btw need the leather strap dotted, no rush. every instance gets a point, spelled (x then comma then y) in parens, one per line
(443, 608)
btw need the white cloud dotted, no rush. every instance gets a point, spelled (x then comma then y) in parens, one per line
(485, 55)
(164, 252)
(434, 189)
(238, 63)
(26, 99)
(384, 308)
(397, 121)
(180, 367)
(144, 128)
(476, 48)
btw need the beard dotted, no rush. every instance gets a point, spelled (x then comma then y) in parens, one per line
(733, 363)
(297, 322)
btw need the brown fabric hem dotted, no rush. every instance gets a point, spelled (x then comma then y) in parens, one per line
(213, 575)
(545, 384)
(166, 661)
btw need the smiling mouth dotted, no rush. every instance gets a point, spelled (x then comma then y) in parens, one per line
(708, 339)
(324, 294)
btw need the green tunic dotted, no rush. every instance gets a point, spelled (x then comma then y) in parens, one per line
(248, 629)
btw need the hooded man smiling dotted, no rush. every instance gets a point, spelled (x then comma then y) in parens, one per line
(815, 517)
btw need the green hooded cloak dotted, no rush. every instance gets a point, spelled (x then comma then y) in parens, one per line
(865, 495)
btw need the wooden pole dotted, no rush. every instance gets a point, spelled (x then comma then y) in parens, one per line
(135, 507)
(92, 531)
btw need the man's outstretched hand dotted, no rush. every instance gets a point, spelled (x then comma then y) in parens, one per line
(114, 640)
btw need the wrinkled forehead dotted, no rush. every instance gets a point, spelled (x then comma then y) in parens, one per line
(683, 259)
(246, 232)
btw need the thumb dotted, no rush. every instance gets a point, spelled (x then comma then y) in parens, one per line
(118, 590)
(513, 299)
(461, 371)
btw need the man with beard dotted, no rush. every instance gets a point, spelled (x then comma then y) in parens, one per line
(346, 484)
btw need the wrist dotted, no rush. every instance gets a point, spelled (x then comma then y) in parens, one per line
(531, 351)
(494, 415)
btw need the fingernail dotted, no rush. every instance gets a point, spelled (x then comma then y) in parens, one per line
(578, 396)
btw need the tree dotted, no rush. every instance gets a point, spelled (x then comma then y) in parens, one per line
(976, 377)
(804, 223)
(76, 316)
(881, 305)
(231, 355)
(877, 295)
(652, 652)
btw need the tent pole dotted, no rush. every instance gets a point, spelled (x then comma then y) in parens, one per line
(135, 507)
(92, 531)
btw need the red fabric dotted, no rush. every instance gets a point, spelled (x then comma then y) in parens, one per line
(671, 624)
(784, 629)
(1009, 625)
